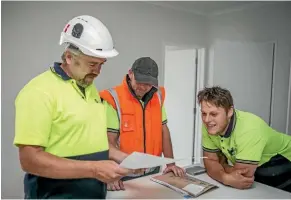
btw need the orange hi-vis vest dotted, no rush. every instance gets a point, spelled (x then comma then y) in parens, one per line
(140, 126)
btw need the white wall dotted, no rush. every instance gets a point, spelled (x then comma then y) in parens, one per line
(246, 70)
(30, 36)
(269, 23)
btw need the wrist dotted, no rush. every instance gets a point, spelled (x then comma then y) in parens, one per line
(226, 168)
(118, 156)
(224, 178)
(121, 158)
(125, 155)
(90, 169)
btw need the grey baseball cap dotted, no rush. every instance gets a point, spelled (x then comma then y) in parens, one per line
(145, 70)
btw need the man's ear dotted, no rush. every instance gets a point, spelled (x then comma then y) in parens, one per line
(68, 57)
(130, 74)
(230, 112)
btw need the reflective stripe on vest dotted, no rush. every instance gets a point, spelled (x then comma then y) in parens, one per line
(115, 98)
(160, 96)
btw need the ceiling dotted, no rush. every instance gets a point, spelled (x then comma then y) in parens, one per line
(209, 8)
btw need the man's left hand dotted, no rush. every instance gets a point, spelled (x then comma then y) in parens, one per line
(178, 171)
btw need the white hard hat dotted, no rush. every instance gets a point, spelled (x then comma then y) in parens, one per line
(90, 35)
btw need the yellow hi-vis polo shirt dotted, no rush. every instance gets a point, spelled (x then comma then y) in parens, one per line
(52, 112)
(248, 139)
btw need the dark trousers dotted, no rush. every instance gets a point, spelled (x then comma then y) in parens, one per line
(275, 173)
(36, 187)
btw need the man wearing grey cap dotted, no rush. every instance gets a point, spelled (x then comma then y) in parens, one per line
(137, 120)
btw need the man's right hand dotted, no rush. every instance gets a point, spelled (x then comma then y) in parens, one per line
(237, 179)
(115, 186)
(109, 171)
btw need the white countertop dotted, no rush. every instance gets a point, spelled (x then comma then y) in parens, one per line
(144, 188)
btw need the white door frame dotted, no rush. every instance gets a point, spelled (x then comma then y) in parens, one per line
(200, 84)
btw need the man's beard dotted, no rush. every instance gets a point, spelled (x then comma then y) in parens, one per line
(83, 83)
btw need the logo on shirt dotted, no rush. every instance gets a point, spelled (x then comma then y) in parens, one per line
(232, 151)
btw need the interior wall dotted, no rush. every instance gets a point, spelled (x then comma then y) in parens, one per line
(269, 23)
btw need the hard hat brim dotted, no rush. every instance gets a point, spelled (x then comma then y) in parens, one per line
(88, 51)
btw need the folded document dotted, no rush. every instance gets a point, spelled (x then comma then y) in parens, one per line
(187, 186)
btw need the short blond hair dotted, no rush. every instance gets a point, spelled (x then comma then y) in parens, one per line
(217, 96)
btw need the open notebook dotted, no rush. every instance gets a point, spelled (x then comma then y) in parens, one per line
(187, 186)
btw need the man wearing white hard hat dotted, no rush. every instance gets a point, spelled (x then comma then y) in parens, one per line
(60, 121)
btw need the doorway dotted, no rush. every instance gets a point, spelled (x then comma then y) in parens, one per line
(183, 78)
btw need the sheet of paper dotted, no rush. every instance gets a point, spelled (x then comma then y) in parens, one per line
(138, 160)
(194, 189)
